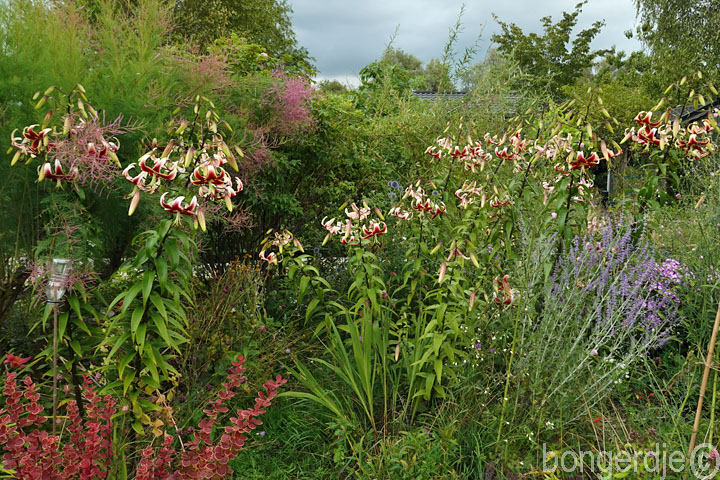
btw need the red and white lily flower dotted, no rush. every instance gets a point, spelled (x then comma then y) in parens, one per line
(357, 213)
(376, 228)
(209, 174)
(584, 162)
(519, 144)
(457, 153)
(400, 213)
(494, 140)
(350, 241)
(271, 258)
(497, 203)
(433, 152)
(161, 167)
(467, 192)
(504, 295)
(332, 226)
(645, 118)
(504, 154)
(139, 180)
(32, 143)
(176, 205)
(105, 150)
(56, 174)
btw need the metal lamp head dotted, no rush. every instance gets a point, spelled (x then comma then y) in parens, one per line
(59, 269)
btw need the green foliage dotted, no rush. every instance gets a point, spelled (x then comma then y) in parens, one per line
(259, 21)
(550, 60)
(150, 323)
(681, 36)
(408, 61)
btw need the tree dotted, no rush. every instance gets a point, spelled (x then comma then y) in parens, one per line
(682, 36)
(408, 61)
(265, 22)
(437, 76)
(551, 60)
(332, 86)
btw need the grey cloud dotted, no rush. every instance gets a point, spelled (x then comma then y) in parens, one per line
(344, 36)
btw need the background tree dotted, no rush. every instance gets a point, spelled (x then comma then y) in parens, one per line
(266, 22)
(552, 59)
(682, 36)
(437, 76)
(408, 61)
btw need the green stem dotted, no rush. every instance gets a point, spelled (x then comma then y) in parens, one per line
(507, 378)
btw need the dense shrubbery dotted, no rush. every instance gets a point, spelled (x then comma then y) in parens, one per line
(473, 304)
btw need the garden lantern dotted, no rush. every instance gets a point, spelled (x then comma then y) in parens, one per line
(59, 270)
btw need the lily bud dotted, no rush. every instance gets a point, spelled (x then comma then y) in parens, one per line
(189, 156)
(134, 202)
(435, 250)
(47, 118)
(201, 220)
(168, 149)
(379, 213)
(443, 269)
(15, 158)
(298, 245)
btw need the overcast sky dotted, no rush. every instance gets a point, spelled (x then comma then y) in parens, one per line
(346, 35)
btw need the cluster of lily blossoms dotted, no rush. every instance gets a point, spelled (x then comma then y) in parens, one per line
(693, 140)
(63, 150)
(359, 225)
(279, 241)
(202, 169)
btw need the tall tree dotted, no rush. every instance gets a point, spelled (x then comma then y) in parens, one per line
(265, 22)
(682, 36)
(437, 76)
(550, 60)
(396, 56)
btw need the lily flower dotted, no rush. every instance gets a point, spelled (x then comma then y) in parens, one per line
(32, 142)
(46, 171)
(270, 258)
(332, 226)
(176, 205)
(350, 241)
(648, 136)
(437, 209)
(204, 175)
(358, 213)
(494, 140)
(645, 118)
(139, 180)
(400, 213)
(692, 142)
(504, 296)
(161, 167)
(505, 155)
(376, 228)
(457, 153)
(497, 203)
(582, 162)
(434, 153)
